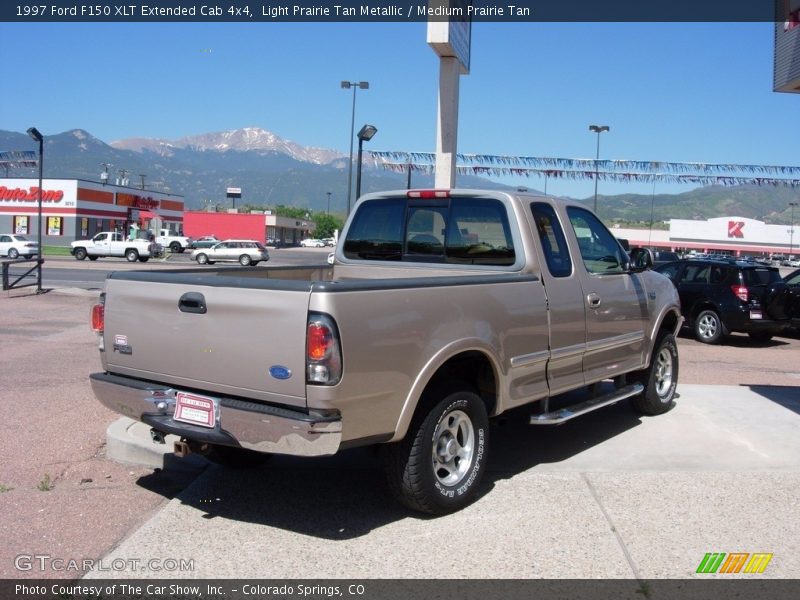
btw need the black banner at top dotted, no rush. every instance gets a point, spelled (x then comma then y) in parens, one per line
(335, 11)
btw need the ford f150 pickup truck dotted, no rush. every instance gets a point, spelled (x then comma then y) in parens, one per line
(441, 310)
(112, 243)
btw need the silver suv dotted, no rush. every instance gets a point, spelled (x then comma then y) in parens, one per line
(245, 252)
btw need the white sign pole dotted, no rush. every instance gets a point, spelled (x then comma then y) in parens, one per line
(447, 123)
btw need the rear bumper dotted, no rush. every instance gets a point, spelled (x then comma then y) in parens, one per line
(240, 423)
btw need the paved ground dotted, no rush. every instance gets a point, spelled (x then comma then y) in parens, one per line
(607, 495)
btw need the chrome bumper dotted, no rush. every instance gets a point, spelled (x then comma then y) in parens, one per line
(241, 423)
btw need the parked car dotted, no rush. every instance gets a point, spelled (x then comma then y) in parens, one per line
(13, 246)
(312, 243)
(661, 257)
(792, 281)
(721, 297)
(205, 242)
(245, 252)
(329, 241)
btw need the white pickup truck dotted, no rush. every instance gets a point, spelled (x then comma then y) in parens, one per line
(112, 243)
(176, 243)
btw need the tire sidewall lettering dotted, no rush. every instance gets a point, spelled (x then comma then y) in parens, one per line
(477, 461)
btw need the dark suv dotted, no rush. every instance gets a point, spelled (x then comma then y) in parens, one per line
(719, 297)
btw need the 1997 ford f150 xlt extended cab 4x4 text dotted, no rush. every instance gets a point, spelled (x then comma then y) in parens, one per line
(442, 309)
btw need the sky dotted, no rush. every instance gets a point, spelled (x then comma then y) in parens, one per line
(695, 92)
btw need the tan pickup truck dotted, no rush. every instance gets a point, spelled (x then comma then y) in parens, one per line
(441, 310)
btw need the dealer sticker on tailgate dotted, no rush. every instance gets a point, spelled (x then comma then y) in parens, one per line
(196, 410)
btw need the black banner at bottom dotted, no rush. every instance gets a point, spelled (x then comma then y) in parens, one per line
(713, 588)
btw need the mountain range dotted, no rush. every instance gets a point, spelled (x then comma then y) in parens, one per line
(272, 170)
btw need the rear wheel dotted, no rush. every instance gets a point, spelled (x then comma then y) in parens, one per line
(438, 467)
(659, 380)
(80, 253)
(132, 255)
(708, 327)
(93, 258)
(245, 260)
(175, 247)
(144, 258)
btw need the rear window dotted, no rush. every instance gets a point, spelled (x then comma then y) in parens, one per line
(457, 231)
(763, 276)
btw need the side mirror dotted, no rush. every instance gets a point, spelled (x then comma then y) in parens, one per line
(641, 260)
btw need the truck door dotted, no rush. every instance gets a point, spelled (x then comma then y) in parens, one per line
(101, 245)
(615, 300)
(567, 314)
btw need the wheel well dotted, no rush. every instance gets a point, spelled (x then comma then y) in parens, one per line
(473, 368)
(669, 323)
(701, 307)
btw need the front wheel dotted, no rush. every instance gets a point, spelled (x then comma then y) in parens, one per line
(708, 327)
(144, 258)
(201, 259)
(13, 253)
(438, 467)
(132, 255)
(660, 379)
(80, 253)
(175, 247)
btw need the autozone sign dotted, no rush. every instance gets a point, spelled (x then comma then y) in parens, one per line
(735, 229)
(30, 195)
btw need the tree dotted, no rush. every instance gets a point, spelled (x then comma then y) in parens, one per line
(326, 225)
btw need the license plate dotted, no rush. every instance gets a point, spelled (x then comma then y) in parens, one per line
(196, 410)
(756, 314)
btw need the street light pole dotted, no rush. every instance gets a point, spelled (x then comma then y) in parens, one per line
(365, 134)
(791, 231)
(329, 203)
(38, 137)
(364, 85)
(598, 129)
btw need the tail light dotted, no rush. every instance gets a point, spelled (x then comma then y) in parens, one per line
(741, 292)
(428, 194)
(98, 318)
(323, 351)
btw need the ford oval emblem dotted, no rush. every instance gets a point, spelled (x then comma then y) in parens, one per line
(280, 372)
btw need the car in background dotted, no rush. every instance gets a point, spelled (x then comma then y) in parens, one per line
(721, 297)
(329, 241)
(312, 243)
(792, 281)
(245, 252)
(13, 246)
(205, 242)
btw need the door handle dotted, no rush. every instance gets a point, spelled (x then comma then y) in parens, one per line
(593, 300)
(193, 302)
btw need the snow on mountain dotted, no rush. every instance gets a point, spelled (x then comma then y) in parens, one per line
(242, 140)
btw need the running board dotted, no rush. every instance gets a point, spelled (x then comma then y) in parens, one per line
(563, 415)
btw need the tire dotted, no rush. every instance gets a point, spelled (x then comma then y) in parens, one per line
(245, 260)
(236, 458)
(708, 327)
(660, 379)
(760, 336)
(132, 254)
(93, 258)
(144, 258)
(438, 467)
(80, 253)
(175, 247)
(201, 259)
(13, 253)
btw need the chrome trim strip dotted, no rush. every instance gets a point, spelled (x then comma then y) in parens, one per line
(614, 342)
(568, 351)
(533, 358)
(254, 426)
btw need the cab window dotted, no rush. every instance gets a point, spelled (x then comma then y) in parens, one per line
(600, 251)
(551, 236)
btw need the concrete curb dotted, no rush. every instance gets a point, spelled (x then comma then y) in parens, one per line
(129, 442)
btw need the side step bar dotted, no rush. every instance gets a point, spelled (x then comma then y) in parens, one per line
(563, 415)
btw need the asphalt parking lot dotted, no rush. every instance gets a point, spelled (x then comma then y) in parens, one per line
(608, 495)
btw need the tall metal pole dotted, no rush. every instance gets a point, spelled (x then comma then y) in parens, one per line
(35, 135)
(598, 129)
(364, 85)
(329, 203)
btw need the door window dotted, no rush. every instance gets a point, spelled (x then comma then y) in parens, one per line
(551, 236)
(600, 251)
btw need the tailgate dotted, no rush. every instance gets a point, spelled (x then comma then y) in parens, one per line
(218, 339)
